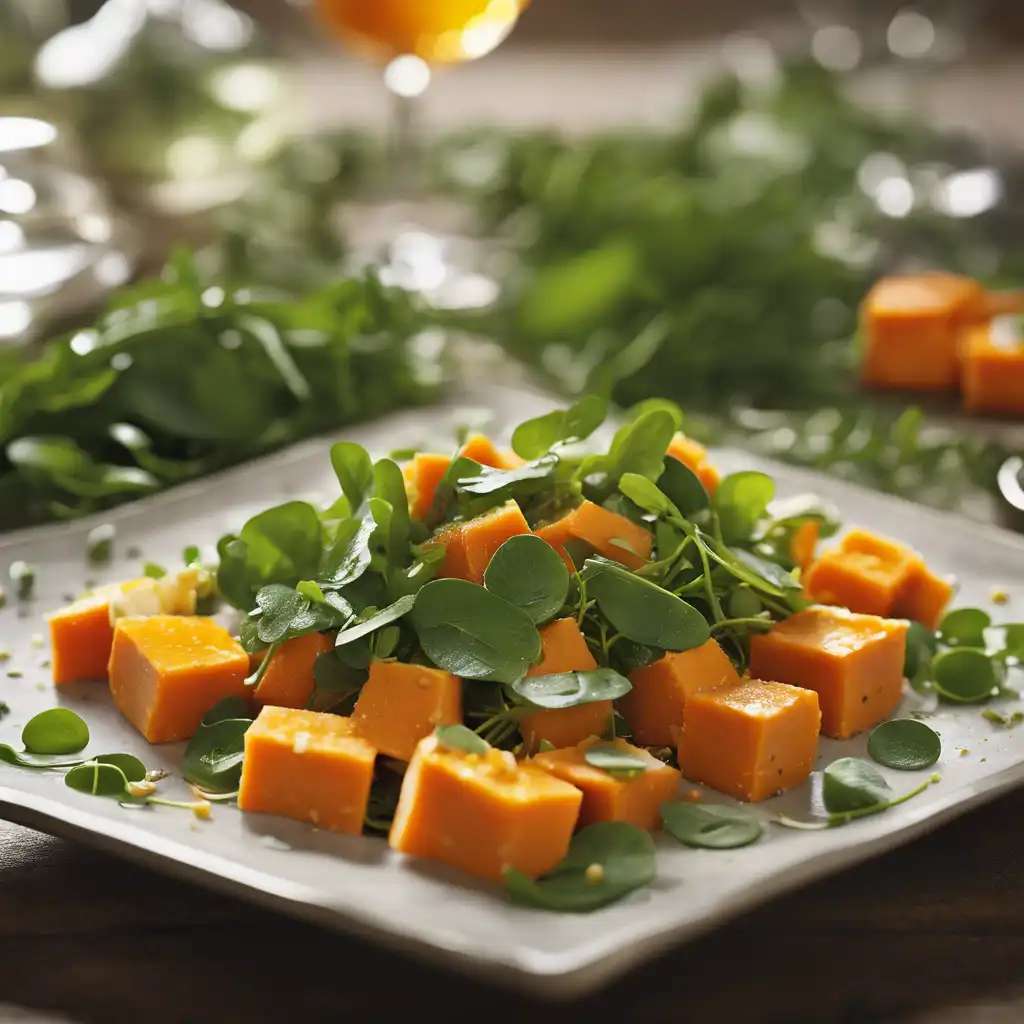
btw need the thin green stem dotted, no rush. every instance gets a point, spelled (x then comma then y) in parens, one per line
(733, 623)
(256, 678)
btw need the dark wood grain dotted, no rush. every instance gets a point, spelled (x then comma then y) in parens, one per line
(929, 933)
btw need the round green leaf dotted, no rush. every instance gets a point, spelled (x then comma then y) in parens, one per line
(905, 743)
(472, 633)
(570, 689)
(535, 437)
(711, 826)
(620, 858)
(683, 488)
(964, 627)
(229, 707)
(642, 611)
(964, 675)
(527, 572)
(740, 500)
(131, 767)
(850, 784)
(56, 731)
(213, 757)
(97, 779)
(645, 494)
(616, 762)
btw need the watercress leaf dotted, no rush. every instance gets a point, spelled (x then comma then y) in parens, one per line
(740, 500)
(458, 737)
(284, 543)
(279, 606)
(535, 437)
(472, 633)
(233, 573)
(850, 784)
(248, 635)
(630, 655)
(711, 826)
(570, 689)
(213, 756)
(964, 627)
(1013, 641)
(905, 744)
(384, 617)
(642, 611)
(310, 590)
(389, 485)
(444, 494)
(387, 641)
(767, 572)
(606, 861)
(354, 471)
(646, 495)
(921, 647)
(229, 707)
(97, 779)
(349, 556)
(333, 675)
(55, 731)
(964, 675)
(131, 767)
(501, 485)
(790, 513)
(683, 488)
(528, 573)
(620, 763)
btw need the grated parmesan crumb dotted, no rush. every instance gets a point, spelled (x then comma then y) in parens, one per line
(301, 742)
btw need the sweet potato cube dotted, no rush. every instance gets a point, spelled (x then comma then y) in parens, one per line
(859, 580)
(81, 636)
(694, 456)
(469, 546)
(483, 813)
(911, 329)
(635, 799)
(400, 704)
(167, 671)
(308, 766)
(750, 739)
(853, 662)
(922, 596)
(565, 650)
(804, 544)
(422, 475)
(288, 680)
(609, 533)
(557, 535)
(993, 380)
(656, 706)
(481, 449)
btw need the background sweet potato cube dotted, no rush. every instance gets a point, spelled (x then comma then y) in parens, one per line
(81, 637)
(288, 680)
(609, 798)
(422, 475)
(601, 528)
(853, 662)
(400, 704)
(858, 580)
(911, 328)
(804, 544)
(694, 456)
(481, 449)
(993, 380)
(751, 739)
(167, 671)
(308, 766)
(656, 706)
(565, 650)
(483, 813)
(471, 545)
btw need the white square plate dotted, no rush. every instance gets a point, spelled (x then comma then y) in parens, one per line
(358, 884)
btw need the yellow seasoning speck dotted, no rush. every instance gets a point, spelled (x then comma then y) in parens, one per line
(37, 640)
(594, 874)
(1000, 596)
(201, 809)
(984, 759)
(964, 752)
(935, 777)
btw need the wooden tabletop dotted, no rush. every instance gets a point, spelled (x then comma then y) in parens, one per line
(930, 933)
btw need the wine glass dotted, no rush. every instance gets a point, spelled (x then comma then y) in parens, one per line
(409, 38)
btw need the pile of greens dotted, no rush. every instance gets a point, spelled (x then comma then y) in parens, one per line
(192, 372)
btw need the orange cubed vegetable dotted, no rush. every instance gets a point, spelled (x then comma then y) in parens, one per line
(557, 535)
(911, 329)
(694, 456)
(804, 544)
(81, 636)
(635, 798)
(422, 475)
(308, 766)
(167, 671)
(853, 662)
(994, 369)
(470, 545)
(656, 706)
(481, 449)
(923, 596)
(868, 581)
(483, 813)
(609, 533)
(564, 650)
(751, 739)
(401, 704)
(512, 461)
(288, 680)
